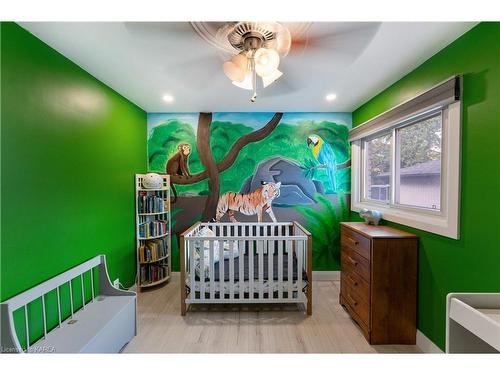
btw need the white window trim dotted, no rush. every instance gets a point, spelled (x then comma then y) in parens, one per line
(445, 222)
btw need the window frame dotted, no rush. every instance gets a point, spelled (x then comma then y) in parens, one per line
(444, 221)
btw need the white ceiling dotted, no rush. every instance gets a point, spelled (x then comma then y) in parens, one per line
(144, 61)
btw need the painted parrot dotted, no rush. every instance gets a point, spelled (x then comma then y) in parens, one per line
(323, 153)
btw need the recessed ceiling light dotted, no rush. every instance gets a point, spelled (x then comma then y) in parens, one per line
(331, 97)
(168, 98)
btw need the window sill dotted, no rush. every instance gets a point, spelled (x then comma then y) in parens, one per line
(432, 222)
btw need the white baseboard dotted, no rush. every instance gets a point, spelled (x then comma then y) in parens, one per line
(426, 345)
(326, 275)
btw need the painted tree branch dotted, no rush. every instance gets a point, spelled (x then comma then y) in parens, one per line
(231, 156)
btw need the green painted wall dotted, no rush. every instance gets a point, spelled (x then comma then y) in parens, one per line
(471, 264)
(70, 148)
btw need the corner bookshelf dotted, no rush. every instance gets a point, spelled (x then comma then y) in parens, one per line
(153, 232)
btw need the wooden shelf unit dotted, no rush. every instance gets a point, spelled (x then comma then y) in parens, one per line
(145, 217)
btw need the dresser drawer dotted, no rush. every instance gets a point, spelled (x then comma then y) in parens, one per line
(356, 304)
(353, 260)
(356, 241)
(356, 283)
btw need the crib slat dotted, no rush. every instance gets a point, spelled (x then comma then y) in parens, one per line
(231, 269)
(280, 268)
(300, 248)
(260, 256)
(241, 272)
(290, 268)
(202, 271)
(211, 271)
(192, 268)
(270, 276)
(251, 274)
(221, 270)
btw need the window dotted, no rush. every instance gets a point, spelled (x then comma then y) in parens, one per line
(418, 164)
(407, 165)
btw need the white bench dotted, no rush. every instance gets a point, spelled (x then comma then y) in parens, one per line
(105, 324)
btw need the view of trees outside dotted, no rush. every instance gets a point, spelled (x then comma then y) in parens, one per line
(420, 142)
(419, 173)
(378, 167)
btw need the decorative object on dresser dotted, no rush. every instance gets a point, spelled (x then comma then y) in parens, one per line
(378, 285)
(152, 192)
(370, 216)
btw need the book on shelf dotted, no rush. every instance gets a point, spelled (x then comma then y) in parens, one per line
(150, 203)
(151, 273)
(153, 228)
(153, 250)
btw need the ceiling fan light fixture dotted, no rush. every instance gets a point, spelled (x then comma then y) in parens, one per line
(266, 61)
(270, 78)
(236, 68)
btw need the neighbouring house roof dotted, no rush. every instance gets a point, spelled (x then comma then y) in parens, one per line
(432, 167)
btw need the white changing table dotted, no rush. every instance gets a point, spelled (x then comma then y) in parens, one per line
(473, 323)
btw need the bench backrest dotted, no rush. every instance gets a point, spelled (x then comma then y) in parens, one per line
(9, 339)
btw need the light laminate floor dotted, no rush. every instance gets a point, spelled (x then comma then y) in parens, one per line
(247, 328)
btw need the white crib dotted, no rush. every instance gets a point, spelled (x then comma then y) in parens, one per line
(261, 263)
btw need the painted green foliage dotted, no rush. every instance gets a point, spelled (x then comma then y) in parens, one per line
(324, 224)
(287, 140)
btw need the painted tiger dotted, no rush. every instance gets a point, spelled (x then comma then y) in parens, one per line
(252, 203)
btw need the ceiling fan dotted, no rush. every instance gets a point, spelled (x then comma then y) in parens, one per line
(259, 46)
(286, 49)
(253, 50)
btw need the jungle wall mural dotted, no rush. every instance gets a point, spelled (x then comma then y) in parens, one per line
(256, 167)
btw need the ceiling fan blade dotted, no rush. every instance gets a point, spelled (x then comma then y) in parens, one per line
(346, 42)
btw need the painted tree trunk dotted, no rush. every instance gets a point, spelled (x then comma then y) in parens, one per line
(208, 161)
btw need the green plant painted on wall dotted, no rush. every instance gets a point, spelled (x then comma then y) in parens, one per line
(308, 153)
(324, 224)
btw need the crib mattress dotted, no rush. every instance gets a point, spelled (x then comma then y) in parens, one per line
(247, 274)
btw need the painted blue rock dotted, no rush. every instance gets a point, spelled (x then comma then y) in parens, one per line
(295, 187)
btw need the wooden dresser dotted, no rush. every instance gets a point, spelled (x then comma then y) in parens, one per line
(378, 284)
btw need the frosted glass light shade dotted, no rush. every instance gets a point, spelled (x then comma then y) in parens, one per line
(236, 68)
(266, 61)
(270, 78)
(246, 83)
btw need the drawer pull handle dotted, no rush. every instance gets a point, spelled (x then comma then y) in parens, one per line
(354, 282)
(352, 260)
(355, 243)
(353, 301)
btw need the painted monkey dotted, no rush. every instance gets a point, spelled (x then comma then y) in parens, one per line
(178, 165)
